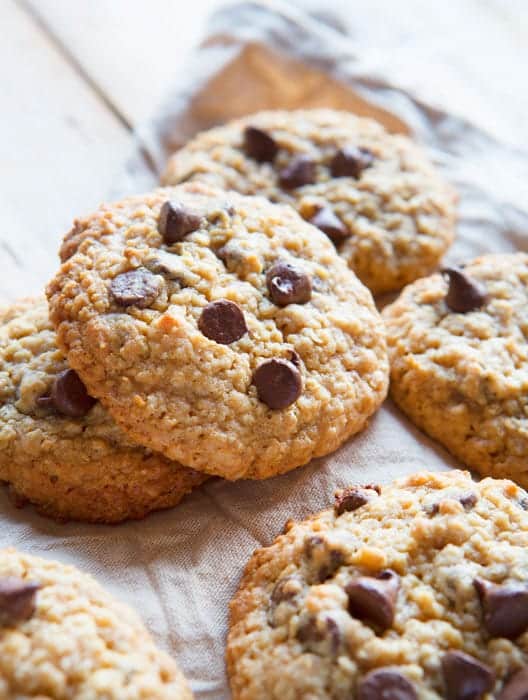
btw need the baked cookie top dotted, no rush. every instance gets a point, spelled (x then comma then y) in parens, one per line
(63, 637)
(221, 330)
(375, 194)
(417, 590)
(459, 361)
(59, 448)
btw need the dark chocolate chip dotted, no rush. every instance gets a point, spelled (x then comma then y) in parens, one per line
(350, 161)
(374, 599)
(223, 321)
(301, 171)
(524, 503)
(68, 395)
(259, 145)
(465, 677)
(17, 600)
(175, 222)
(322, 556)
(468, 499)
(517, 687)
(278, 382)
(286, 589)
(464, 293)
(288, 284)
(386, 684)
(504, 607)
(351, 498)
(136, 288)
(329, 223)
(317, 630)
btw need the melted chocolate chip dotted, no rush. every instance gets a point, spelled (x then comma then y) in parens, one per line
(288, 284)
(175, 222)
(316, 630)
(468, 500)
(323, 557)
(465, 677)
(68, 395)
(259, 145)
(350, 161)
(329, 223)
(464, 293)
(351, 498)
(517, 687)
(286, 589)
(17, 600)
(278, 382)
(505, 607)
(223, 321)
(301, 171)
(136, 288)
(374, 599)
(385, 684)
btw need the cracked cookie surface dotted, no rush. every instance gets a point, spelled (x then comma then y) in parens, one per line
(220, 330)
(462, 376)
(414, 588)
(80, 467)
(63, 637)
(377, 196)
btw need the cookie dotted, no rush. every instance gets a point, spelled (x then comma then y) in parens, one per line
(59, 448)
(459, 361)
(416, 590)
(375, 194)
(62, 636)
(221, 330)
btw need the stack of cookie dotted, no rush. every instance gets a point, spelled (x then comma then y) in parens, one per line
(224, 325)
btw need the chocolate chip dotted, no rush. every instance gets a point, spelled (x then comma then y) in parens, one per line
(351, 498)
(301, 171)
(17, 600)
(468, 500)
(505, 607)
(286, 589)
(350, 161)
(329, 223)
(288, 284)
(517, 687)
(314, 630)
(464, 293)
(374, 599)
(259, 145)
(465, 677)
(175, 222)
(68, 395)
(223, 321)
(386, 684)
(136, 288)
(278, 382)
(322, 557)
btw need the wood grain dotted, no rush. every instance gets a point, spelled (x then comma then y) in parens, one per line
(60, 149)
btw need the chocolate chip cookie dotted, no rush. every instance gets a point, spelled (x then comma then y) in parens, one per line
(417, 590)
(459, 361)
(59, 448)
(374, 194)
(221, 330)
(62, 636)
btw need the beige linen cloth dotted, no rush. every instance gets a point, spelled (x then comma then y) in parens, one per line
(180, 568)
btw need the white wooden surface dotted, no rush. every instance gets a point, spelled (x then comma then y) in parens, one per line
(77, 76)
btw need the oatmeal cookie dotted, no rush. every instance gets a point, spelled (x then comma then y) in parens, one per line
(459, 361)
(375, 194)
(59, 448)
(63, 637)
(221, 330)
(417, 590)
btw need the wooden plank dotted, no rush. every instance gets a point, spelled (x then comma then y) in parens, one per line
(132, 49)
(60, 149)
